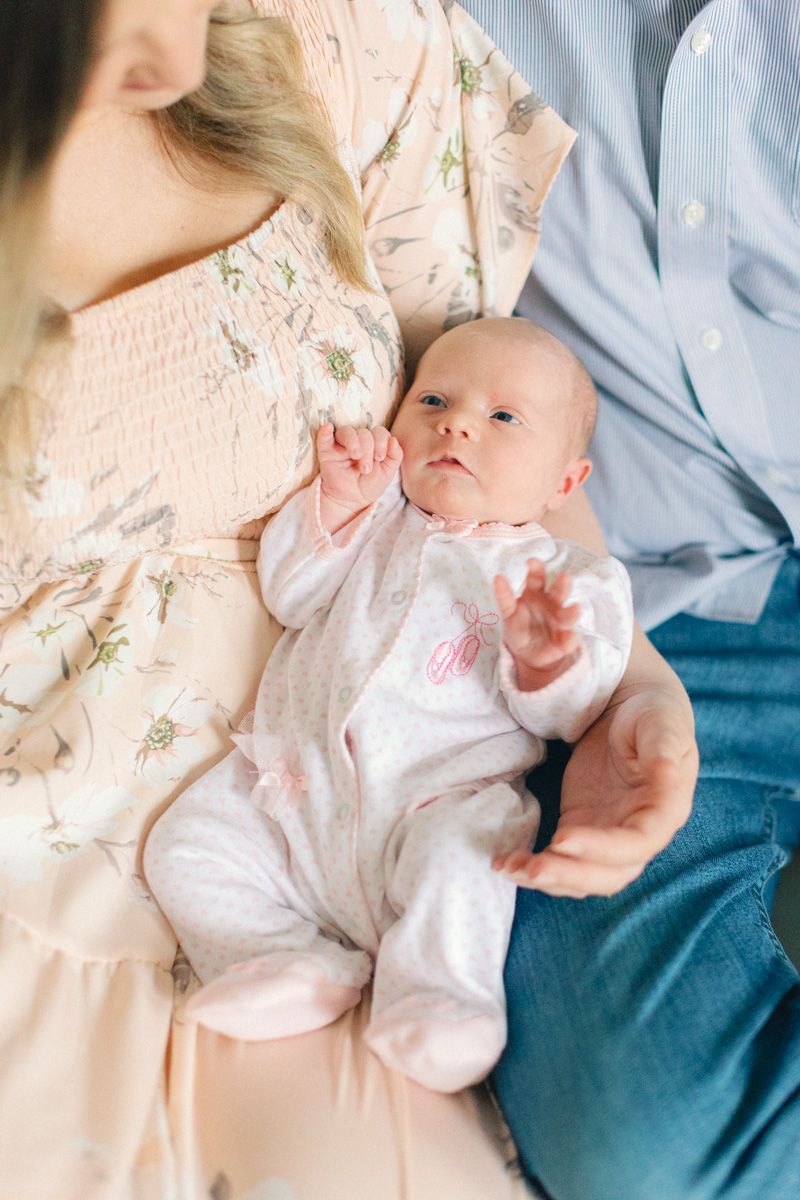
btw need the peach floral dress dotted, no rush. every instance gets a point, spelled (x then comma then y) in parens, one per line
(132, 637)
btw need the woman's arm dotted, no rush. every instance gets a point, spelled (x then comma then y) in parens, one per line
(629, 784)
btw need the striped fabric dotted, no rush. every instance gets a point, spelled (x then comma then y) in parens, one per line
(670, 262)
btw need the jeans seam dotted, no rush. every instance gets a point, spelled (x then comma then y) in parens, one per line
(780, 860)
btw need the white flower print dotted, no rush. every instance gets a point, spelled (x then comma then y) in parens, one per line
(28, 694)
(383, 141)
(481, 73)
(249, 354)
(271, 1189)
(51, 495)
(477, 85)
(169, 746)
(287, 274)
(84, 554)
(338, 371)
(112, 660)
(416, 14)
(28, 843)
(518, 205)
(452, 234)
(445, 171)
(51, 633)
(231, 268)
(163, 588)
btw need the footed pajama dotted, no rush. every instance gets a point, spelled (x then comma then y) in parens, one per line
(351, 831)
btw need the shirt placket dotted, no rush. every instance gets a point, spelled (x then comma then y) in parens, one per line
(694, 178)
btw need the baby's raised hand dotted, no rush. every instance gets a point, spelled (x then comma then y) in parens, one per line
(538, 626)
(356, 466)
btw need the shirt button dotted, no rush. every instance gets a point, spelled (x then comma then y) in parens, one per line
(694, 213)
(343, 812)
(398, 597)
(711, 339)
(344, 694)
(701, 41)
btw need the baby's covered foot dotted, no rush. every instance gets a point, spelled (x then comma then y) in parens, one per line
(277, 996)
(441, 1044)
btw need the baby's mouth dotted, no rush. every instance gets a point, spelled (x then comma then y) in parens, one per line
(449, 464)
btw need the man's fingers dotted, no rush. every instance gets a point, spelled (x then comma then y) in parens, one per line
(642, 834)
(657, 740)
(618, 847)
(546, 872)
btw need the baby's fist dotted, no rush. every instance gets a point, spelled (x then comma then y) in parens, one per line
(356, 466)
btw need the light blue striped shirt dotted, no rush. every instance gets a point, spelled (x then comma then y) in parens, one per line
(670, 262)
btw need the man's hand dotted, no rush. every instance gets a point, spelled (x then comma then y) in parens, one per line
(538, 626)
(627, 789)
(356, 466)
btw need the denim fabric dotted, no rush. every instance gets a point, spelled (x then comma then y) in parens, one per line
(654, 1037)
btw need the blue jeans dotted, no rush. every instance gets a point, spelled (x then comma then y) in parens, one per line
(654, 1037)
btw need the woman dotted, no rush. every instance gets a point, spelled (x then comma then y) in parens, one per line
(200, 304)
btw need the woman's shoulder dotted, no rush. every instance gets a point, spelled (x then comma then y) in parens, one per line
(452, 152)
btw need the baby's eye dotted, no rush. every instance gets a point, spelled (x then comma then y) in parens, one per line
(433, 401)
(505, 416)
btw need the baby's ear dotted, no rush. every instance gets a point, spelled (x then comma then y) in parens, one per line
(577, 472)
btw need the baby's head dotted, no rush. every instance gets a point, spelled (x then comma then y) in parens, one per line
(496, 424)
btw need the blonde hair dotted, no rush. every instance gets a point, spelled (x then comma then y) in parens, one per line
(21, 218)
(254, 120)
(44, 53)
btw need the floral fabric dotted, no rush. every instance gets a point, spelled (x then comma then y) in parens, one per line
(132, 634)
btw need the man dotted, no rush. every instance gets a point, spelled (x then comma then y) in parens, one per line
(654, 1048)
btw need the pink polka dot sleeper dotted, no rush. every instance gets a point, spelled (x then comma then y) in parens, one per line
(351, 831)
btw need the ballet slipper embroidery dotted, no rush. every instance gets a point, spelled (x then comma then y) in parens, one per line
(457, 656)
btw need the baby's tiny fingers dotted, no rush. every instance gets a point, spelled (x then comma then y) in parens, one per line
(536, 577)
(380, 443)
(366, 450)
(560, 588)
(566, 643)
(565, 618)
(394, 451)
(504, 595)
(347, 438)
(325, 436)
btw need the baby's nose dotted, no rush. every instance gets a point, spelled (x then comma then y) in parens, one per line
(457, 423)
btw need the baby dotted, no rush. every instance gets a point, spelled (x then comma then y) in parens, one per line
(429, 649)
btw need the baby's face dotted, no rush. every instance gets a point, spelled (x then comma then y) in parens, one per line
(483, 433)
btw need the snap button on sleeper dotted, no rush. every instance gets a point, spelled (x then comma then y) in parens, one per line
(398, 597)
(344, 694)
(343, 812)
